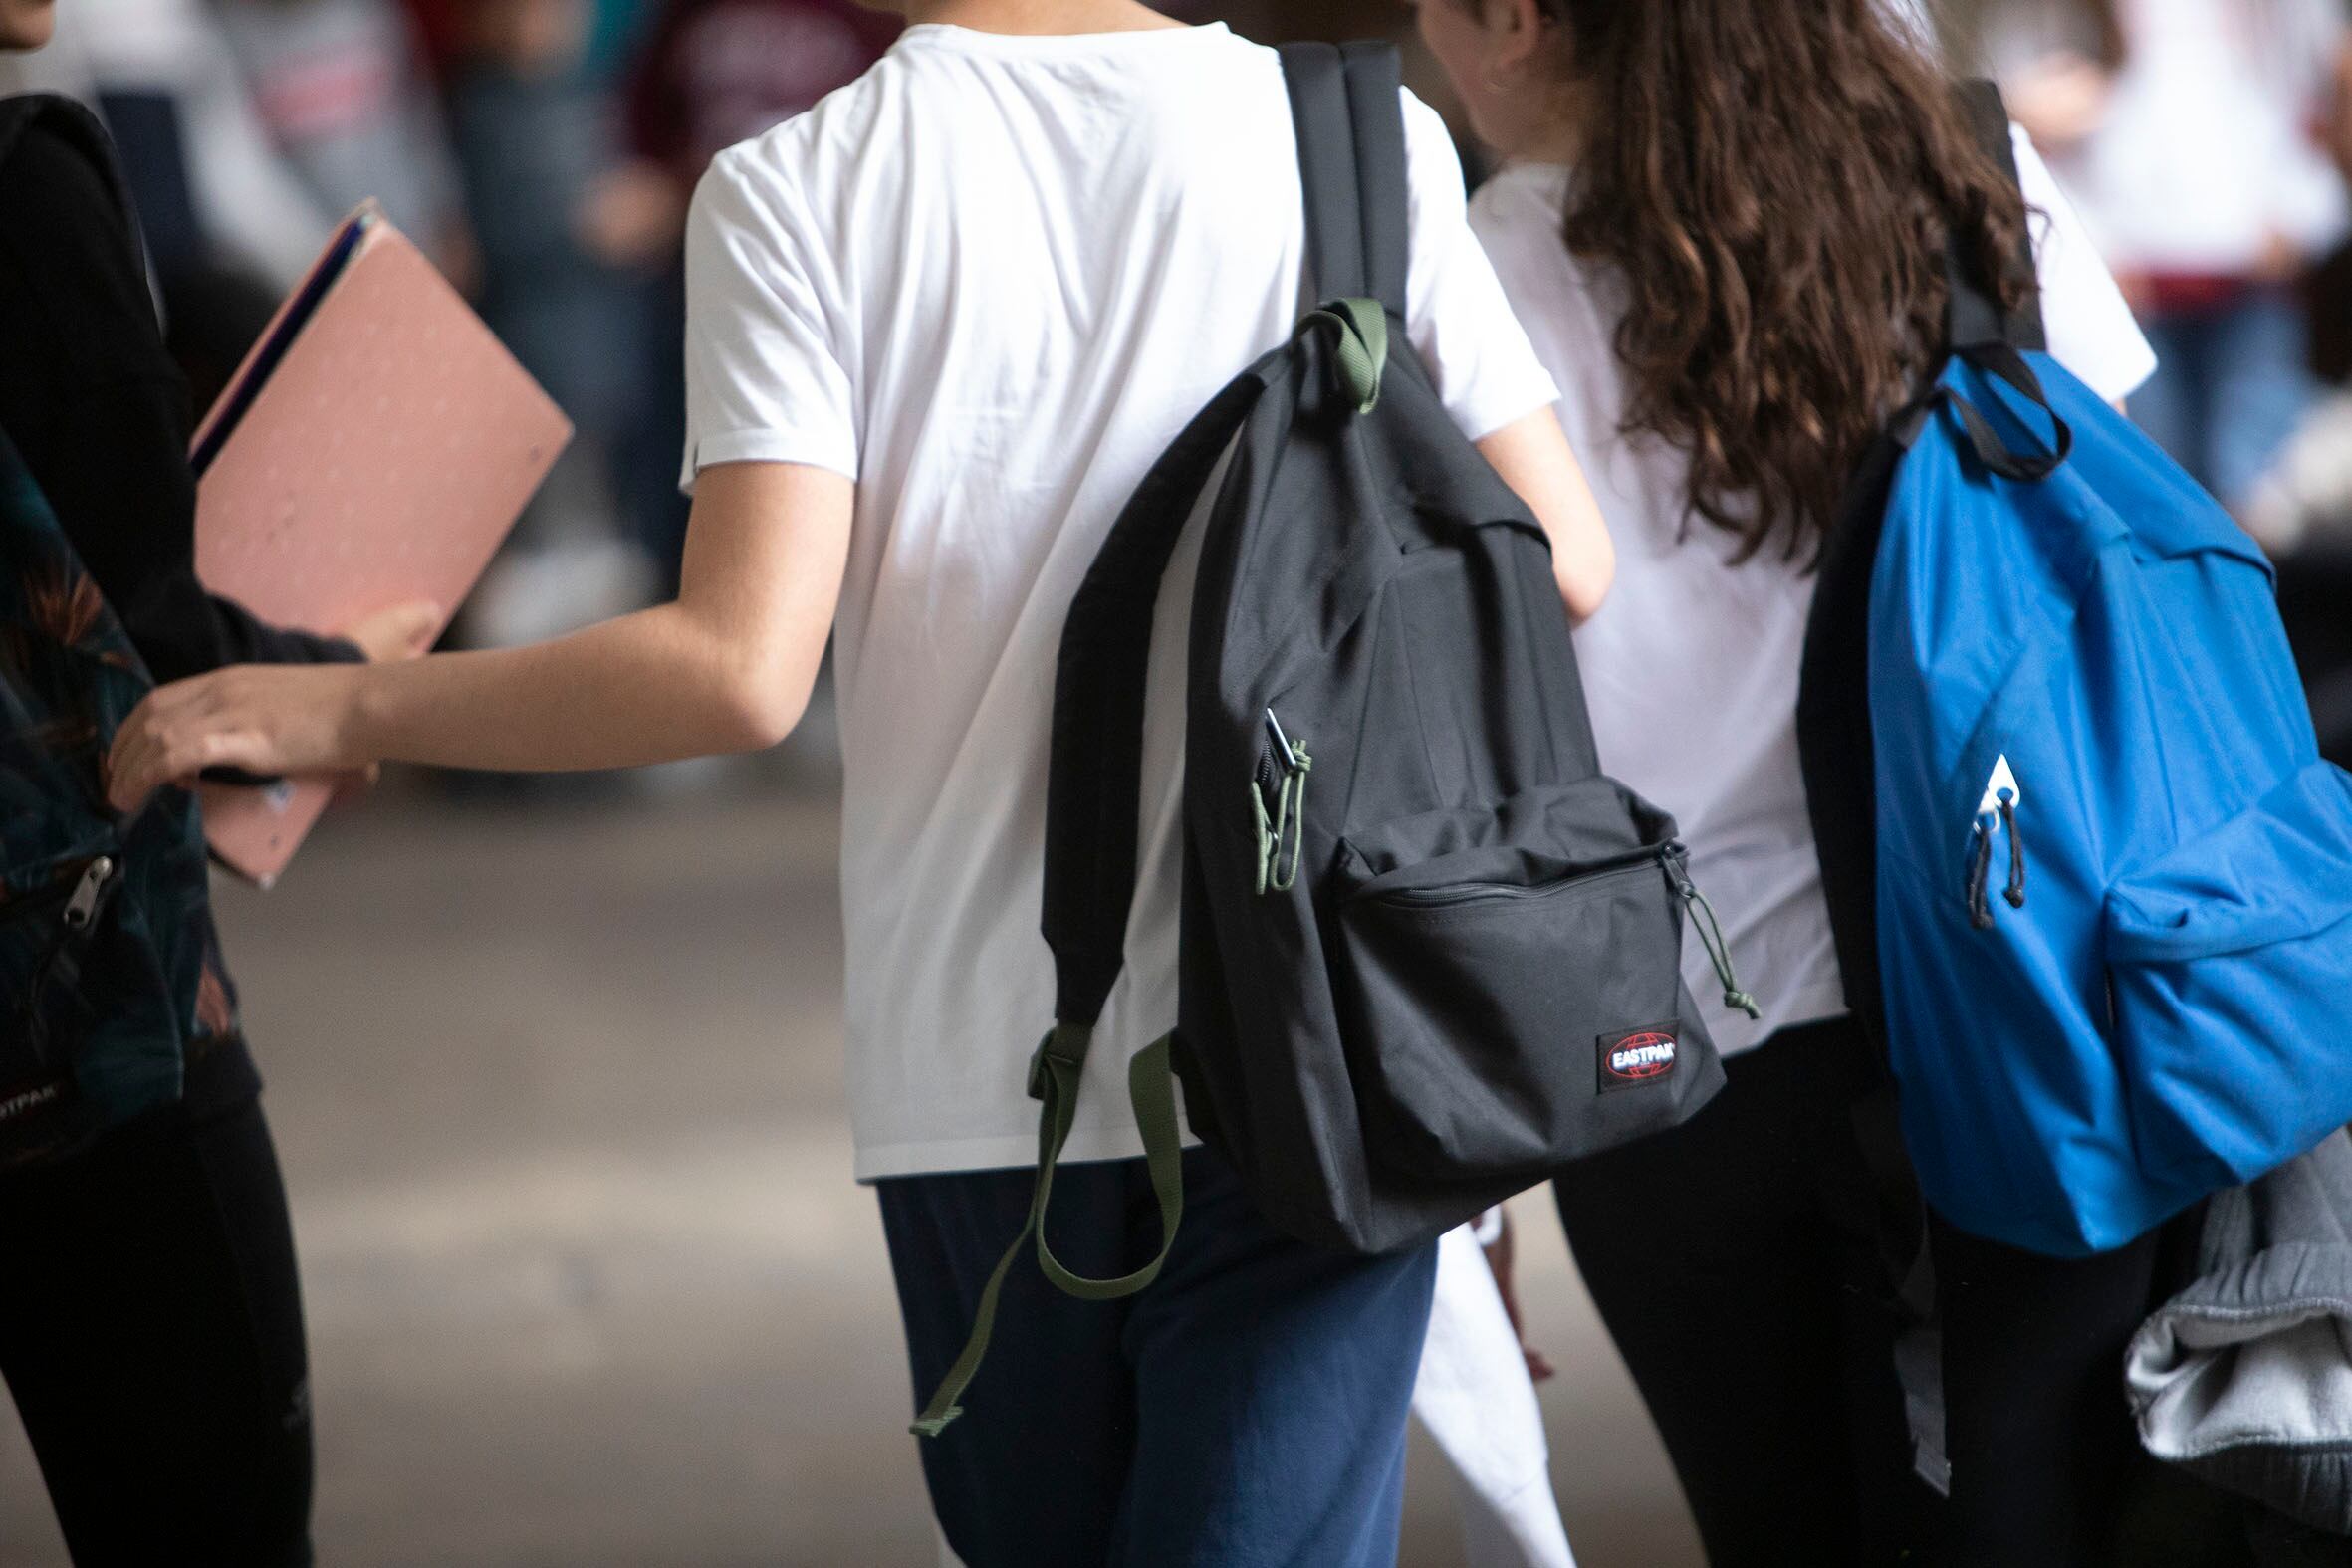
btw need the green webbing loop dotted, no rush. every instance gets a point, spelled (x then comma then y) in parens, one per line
(1719, 952)
(1290, 820)
(1363, 345)
(1054, 1073)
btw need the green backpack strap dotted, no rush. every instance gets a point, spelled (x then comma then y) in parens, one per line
(1054, 1073)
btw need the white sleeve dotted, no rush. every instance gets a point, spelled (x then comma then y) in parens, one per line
(2090, 329)
(1458, 321)
(765, 381)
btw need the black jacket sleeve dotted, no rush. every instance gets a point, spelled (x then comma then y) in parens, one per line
(100, 415)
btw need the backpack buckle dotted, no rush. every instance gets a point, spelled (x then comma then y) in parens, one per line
(1065, 1045)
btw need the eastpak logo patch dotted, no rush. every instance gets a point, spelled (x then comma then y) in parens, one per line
(1637, 1056)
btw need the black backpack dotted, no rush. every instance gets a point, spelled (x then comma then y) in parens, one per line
(1430, 955)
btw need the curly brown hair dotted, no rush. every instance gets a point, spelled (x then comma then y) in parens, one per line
(1775, 182)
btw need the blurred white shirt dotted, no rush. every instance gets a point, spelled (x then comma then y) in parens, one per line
(2205, 150)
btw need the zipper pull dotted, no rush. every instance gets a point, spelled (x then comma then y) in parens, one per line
(1711, 937)
(1980, 868)
(81, 907)
(2015, 892)
(1283, 749)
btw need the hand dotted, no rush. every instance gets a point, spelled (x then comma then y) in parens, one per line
(404, 632)
(1498, 1260)
(263, 718)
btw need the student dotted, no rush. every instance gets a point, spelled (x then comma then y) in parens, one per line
(1724, 228)
(938, 327)
(150, 1324)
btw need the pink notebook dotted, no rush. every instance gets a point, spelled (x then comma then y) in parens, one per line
(374, 449)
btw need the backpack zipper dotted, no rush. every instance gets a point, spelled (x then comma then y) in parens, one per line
(73, 906)
(1475, 892)
(89, 892)
(2002, 817)
(75, 914)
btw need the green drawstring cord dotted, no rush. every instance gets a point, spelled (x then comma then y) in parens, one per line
(1290, 818)
(1719, 952)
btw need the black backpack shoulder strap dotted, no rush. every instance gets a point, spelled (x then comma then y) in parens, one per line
(1974, 318)
(1346, 106)
(1347, 109)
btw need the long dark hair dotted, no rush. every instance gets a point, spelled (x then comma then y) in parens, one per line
(1774, 180)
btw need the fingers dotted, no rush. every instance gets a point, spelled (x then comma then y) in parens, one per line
(171, 738)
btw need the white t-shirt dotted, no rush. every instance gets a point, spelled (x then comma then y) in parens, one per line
(1689, 666)
(991, 280)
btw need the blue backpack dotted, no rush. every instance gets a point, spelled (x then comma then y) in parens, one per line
(109, 967)
(2111, 884)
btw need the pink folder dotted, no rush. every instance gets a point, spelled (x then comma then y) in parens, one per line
(374, 449)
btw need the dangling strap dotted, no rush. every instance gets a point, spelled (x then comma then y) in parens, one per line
(1053, 1076)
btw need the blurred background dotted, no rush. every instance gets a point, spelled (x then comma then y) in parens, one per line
(554, 1067)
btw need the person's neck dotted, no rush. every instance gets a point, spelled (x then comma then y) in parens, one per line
(1553, 133)
(1556, 141)
(1041, 17)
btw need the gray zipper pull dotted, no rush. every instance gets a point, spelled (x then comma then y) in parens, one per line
(82, 908)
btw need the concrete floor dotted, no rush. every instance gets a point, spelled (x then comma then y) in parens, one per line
(558, 1098)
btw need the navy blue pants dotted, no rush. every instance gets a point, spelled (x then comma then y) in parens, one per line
(1247, 1411)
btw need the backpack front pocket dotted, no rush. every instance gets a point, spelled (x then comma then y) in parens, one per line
(48, 935)
(2230, 967)
(1506, 974)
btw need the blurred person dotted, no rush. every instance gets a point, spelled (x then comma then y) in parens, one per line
(568, 230)
(707, 75)
(342, 88)
(615, 30)
(151, 1321)
(1730, 331)
(714, 73)
(926, 369)
(229, 229)
(252, 209)
(2186, 133)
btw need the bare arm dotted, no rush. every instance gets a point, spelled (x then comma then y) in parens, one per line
(725, 667)
(1535, 459)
